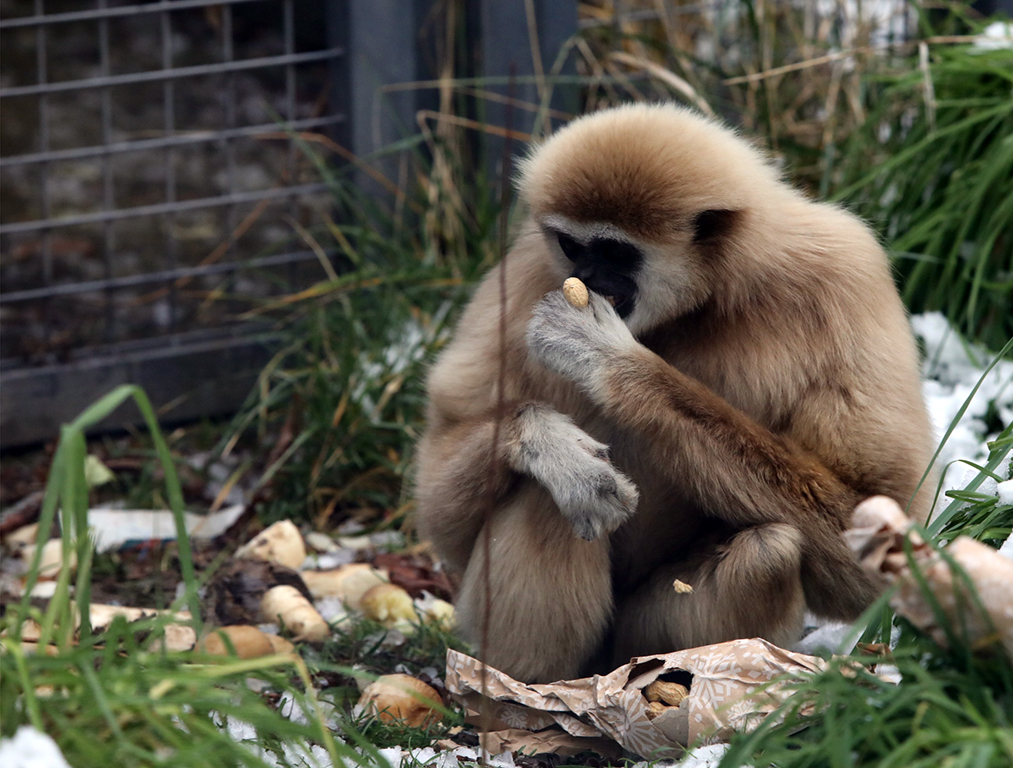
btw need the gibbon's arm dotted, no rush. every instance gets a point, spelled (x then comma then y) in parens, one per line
(738, 470)
(457, 475)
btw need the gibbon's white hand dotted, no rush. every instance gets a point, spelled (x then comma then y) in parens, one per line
(593, 496)
(578, 342)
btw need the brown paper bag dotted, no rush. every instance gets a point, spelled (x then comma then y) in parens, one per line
(729, 689)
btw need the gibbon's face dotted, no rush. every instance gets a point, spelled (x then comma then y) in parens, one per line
(647, 283)
(639, 202)
(602, 256)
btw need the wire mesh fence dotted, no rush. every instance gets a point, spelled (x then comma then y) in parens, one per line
(145, 188)
(150, 186)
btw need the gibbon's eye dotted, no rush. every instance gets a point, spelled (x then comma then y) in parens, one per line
(571, 248)
(711, 224)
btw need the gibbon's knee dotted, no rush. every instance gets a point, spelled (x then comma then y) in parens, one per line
(836, 585)
(747, 586)
(551, 593)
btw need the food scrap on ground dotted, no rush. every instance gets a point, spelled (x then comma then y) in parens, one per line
(401, 698)
(881, 535)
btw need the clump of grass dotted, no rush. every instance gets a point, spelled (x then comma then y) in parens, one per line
(931, 168)
(950, 708)
(977, 514)
(117, 697)
(342, 403)
(365, 643)
(124, 704)
(793, 74)
(359, 650)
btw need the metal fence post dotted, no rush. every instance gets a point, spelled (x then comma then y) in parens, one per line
(381, 40)
(528, 36)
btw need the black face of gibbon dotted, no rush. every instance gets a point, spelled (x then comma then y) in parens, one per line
(607, 267)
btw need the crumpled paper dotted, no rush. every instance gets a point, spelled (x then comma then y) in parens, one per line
(877, 535)
(730, 688)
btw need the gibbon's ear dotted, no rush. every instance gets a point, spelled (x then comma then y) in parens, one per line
(710, 226)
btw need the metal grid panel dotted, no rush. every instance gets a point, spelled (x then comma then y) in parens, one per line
(140, 194)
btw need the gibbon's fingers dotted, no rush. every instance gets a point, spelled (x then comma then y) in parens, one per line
(575, 343)
(457, 474)
(592, 494)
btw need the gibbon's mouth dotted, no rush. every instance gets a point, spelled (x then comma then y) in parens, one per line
(618, 290)
(623, 305)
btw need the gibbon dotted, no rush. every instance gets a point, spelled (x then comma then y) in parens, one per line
(743, 376)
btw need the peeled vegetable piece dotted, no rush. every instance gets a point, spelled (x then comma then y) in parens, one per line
(280, 543)
(349, 582)
(287, 606)
(280, 645)
(390, 605)
(670, 694)
(51, 561)
(402, 698)
(437, 612)
(248, 642)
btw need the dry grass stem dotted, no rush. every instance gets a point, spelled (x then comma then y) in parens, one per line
(666, 76)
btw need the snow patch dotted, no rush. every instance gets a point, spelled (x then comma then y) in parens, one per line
(1004, 491)
(997, 35)
(708, 756)
(951, 370)
(28, 748)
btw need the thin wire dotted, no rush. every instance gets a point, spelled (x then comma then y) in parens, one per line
(500, 407)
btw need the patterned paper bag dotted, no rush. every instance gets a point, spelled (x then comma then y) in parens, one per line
(729, 689)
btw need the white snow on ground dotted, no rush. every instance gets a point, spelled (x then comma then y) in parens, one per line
(1004, 491)
(28, 748)
(998, 34)
(951, 371)
(704, 757)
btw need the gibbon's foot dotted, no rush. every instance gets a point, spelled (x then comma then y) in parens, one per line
(594, 496)
(577, 342)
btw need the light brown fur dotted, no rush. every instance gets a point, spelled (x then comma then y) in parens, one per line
(772, 384)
